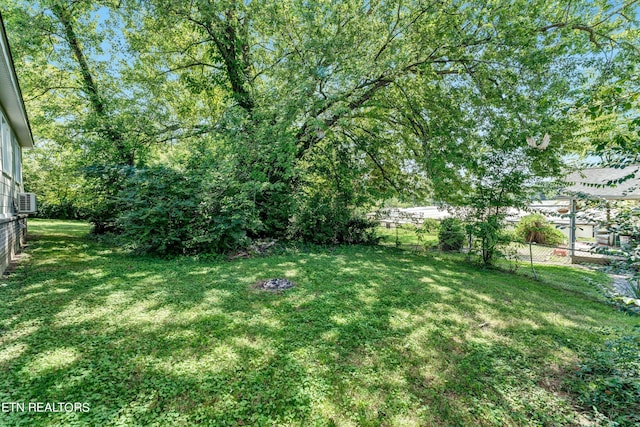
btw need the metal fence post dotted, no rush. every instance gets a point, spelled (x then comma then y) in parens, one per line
(397, 238)
(572, 227)
(531, 259)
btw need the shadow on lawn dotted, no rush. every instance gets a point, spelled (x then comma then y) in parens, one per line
(365, 338)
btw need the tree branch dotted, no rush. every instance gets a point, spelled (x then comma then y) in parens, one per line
(375, 161)
(226, 43)
(581, 27)
(191, 65)
(49, 89)
(106, 127)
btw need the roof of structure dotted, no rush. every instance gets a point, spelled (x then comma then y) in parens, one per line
(10, 95)
(604, 183)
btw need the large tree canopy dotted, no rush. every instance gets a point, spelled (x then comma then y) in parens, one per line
(353, 98)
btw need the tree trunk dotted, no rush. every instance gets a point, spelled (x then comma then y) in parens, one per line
(90, 88)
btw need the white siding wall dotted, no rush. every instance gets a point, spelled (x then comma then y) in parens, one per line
(11, 168)
(9, 190)
(13, 226)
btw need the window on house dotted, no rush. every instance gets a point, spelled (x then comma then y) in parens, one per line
(4, 130)
(7, 149)
(17, 161)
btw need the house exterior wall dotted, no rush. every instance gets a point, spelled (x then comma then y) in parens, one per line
(13, 232)
(15, 134)
(586, 231)
(13, 226)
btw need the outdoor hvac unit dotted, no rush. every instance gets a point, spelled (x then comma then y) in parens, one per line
(26, 203)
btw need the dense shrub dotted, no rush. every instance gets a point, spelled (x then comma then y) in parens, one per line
(451, 234)
(62, 209)
(535, 228)
(324, 219)
(173, 212)
(274, 204)
(104, 183)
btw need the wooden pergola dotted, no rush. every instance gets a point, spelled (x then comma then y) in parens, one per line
(599, 184)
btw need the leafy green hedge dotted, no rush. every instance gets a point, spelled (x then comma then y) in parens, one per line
(325, 219)
(173, 212)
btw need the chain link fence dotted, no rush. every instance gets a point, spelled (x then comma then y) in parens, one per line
(403, 231)
(528, 255)
(561, 255)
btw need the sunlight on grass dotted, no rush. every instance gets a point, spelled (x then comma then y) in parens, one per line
(51, 360)
(78, 312)
(217, 359)
(20, 330)
(12, 351)
(144, 314)
(368, 336)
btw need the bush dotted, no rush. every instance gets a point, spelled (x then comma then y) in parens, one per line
(105, 183)
(324, 219)
(63, 209)
(172, 212)
(428, 226)
(489, 237)
(451, 234)
(535, 228)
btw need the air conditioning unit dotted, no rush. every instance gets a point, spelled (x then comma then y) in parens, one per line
(26, 203)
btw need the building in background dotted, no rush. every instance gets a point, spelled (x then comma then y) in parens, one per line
(15, 135)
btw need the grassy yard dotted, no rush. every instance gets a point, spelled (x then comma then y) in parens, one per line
(368, 336)
(405, 236)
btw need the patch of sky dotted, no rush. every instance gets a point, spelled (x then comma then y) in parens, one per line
(113, 47)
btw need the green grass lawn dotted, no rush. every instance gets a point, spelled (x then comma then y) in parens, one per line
(368, 336)
(405, 236)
